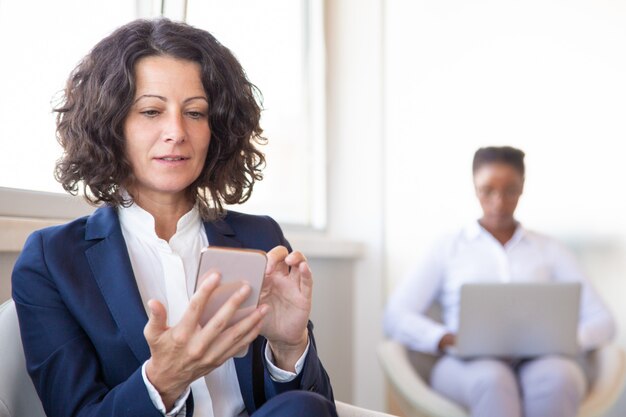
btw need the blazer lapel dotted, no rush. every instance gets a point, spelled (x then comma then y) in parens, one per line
(112, 270)
(220, 233)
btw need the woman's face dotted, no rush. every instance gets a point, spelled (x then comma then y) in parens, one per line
(498, 188)
(167, 129)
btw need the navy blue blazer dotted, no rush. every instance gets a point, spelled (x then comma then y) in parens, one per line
(81, 319)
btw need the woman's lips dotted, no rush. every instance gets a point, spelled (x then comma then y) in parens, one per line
(172, 159)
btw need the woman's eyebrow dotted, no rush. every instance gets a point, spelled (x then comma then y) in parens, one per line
(196, 98)
(165, 99)
(148, 96)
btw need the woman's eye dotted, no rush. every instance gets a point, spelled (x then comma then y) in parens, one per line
(195, 114)
(150, 113)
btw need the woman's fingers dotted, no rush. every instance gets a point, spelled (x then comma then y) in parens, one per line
(239, 335)
(295, 258)
(296, 261)
(208, 346)
(248, 338)
(157, 321)
(220, 319)
(187, 350)
(191, 318)
(301, 273)
(218, 326)
(306, 280)
(276, 259)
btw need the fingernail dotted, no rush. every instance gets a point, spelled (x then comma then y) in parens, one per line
(264, 309)
(244, 289)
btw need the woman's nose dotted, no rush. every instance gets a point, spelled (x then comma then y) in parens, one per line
(175, 129)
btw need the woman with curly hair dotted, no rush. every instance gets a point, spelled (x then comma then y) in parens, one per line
(159, 125)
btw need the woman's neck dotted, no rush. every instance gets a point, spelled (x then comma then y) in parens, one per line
(502, 230)
(166, 213)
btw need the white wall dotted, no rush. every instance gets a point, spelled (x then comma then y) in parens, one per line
(546, 76)
(355, 171)
(543, 75)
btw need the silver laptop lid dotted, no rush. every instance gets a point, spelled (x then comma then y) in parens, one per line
(518, 319)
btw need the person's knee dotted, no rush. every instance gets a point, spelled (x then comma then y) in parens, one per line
(300, 403)
(493, 377)
(309, 400)
(558, 377)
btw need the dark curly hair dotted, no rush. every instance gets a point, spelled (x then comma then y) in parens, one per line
(499, 154)
(99, 94)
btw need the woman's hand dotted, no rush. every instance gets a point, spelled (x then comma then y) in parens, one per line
(446, 341)
(287, 290)
(185, 352)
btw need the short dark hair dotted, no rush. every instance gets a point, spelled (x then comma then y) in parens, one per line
(499, 154)
(99, 94)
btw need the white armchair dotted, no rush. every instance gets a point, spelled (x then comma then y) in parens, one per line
(408, 373)
(347, 410)
(18, 397)
(17, 393)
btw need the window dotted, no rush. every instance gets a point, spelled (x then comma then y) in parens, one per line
(279, 43)
(39, 46)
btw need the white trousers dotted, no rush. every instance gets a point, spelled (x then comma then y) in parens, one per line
(550, 386)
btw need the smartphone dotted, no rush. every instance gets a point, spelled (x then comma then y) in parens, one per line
(236, 267)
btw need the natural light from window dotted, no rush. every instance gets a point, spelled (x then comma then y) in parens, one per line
(279, 43)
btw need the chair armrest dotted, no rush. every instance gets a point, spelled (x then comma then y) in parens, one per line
(410, 386)
(610, 373)
(347, 410)
(17, 392)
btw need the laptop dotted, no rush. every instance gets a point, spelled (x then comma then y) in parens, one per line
(518, 320)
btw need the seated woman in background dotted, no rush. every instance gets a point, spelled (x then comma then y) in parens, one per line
(160, 123)
(496, 248)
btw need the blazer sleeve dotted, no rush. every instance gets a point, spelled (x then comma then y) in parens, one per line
(61, 359)
(313, 376)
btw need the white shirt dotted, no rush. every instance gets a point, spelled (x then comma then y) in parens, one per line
(474, 255)
(166, 271)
